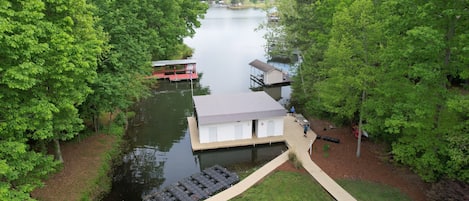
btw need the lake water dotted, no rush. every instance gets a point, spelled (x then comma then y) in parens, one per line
(158, 151)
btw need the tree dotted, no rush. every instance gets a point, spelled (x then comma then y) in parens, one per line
(307, 26)
(350, 62)
(137, 32)
(71, 63)
(49, 52)
(406, 76)
(423, 61)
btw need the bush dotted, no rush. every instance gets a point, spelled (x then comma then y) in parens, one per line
(292, 157)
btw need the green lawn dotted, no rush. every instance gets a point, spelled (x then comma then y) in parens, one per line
(369, 191)
(296, 186)
(286, 186)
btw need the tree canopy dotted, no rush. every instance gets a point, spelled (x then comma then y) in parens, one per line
(64, 62)
(49, 54)
(397, 66)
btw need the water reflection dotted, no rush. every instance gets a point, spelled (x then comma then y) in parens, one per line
(240, 156)
(158, 151)
(225, 44)
(158, 145)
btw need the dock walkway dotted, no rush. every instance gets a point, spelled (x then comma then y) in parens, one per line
(299, 145)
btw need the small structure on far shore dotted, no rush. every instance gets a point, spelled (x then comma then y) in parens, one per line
(266, 75)
(240, 119)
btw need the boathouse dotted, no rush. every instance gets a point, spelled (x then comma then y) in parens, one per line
(264, 74)
(240, 116)
(175, 70)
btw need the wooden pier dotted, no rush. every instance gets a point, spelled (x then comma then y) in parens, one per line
(298, 145)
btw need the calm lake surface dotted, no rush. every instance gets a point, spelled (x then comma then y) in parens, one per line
(158, 151)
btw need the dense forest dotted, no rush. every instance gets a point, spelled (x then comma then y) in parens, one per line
(398, 69)
(63, 63)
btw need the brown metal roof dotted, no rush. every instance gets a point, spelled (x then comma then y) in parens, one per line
(262, 66)
(236, 107)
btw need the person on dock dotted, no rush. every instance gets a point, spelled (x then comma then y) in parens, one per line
(305, 129)
(292, 110)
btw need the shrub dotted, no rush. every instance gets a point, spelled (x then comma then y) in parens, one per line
(294, 159)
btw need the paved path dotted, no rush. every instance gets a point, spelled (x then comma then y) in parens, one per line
(300, 146)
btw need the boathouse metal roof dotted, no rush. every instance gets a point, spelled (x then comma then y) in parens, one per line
(223, 108)
(172, 62)
(265, 67)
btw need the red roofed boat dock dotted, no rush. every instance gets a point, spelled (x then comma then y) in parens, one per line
(174, 70)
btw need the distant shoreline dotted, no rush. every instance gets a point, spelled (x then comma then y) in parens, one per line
(240, 7)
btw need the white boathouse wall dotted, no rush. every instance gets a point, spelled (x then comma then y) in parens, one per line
(270, 127)
(225, 131)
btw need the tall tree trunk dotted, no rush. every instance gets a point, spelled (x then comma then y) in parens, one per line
(58, 152)
(96, 123)
(300, 61)
(126, 121)
(360, 123)
(109, 124)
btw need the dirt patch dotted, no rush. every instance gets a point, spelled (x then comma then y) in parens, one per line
(82, 161)
(340, 162)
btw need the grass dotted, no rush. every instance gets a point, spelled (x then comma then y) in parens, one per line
(325, 149)
(244, 170)
(284, 185)
(370, 191)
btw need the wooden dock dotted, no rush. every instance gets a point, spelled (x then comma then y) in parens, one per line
(175, 70)
(299, 145)
(175, 77)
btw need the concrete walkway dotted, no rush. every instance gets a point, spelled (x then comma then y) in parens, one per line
(300, 146)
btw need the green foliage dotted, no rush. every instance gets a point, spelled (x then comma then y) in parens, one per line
(49, 51)
(426, 121)
(325, 149)
(21, 170)
(353, 50)
(456, 138)
(294, 159)
(59, 64)
(400, 66)
(137, 32)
